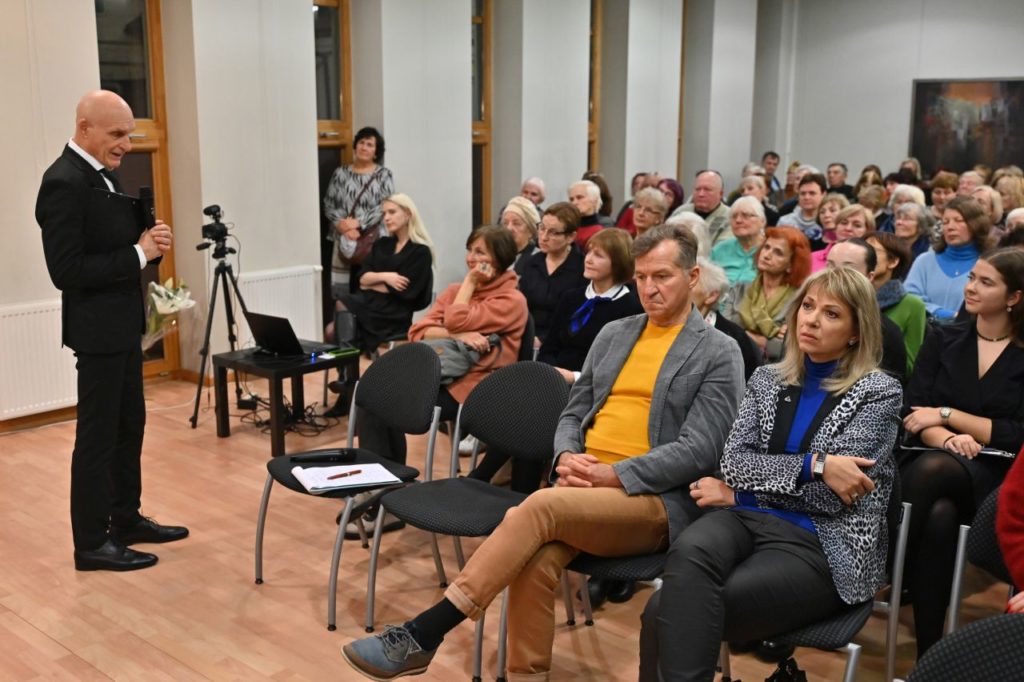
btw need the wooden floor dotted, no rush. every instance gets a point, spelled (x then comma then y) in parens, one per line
(197, 615)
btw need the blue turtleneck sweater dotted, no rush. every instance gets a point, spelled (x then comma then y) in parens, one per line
(812, 395)
(939, 278)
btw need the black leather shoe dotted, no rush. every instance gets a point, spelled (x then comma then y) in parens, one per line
(113, 556)
(340, 408)
(621, 591)
(148, 530)
(773, 652)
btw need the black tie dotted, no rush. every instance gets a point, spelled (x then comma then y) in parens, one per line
(113, 180)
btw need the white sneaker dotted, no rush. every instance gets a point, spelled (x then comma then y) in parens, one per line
(466, 445)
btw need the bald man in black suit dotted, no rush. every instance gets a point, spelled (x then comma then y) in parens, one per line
(95, 248)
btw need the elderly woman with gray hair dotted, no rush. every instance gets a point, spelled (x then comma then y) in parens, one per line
(736, 256)
(901, 194)
(521, 218)
(712, 287)
(585, 195)
(698, 226)
(915, 226)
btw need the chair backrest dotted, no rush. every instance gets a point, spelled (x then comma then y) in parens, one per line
(989, 649)
(526, 351)
(515, 410)
(982, 544)
(400, 387)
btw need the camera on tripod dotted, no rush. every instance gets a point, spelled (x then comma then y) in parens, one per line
(215, 231)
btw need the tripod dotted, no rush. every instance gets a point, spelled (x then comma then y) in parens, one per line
(222, 272)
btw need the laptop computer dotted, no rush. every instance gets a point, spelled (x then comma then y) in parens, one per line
(275, 336)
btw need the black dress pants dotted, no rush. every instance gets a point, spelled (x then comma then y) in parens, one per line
(732, 576)
(389, 443)
(106, 479)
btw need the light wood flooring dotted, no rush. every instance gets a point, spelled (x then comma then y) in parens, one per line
(198, 615)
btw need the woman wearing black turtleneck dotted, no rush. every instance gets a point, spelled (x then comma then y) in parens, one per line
(586, 197)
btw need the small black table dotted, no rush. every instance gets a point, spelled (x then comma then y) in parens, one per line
(275, 369)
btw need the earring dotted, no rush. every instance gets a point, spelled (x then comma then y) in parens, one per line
(851, 343)
(1009, 308)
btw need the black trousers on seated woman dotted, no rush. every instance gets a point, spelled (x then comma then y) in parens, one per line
(732, 576)
(390, 444)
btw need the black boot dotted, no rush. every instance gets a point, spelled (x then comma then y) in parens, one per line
(344, 327)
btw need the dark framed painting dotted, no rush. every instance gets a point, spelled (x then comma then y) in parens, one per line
(957, 124)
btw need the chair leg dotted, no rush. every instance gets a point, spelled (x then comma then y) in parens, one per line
(261, 523)
(503, 636)
(371, 578)
(332, 581)
(442, 579)
(588, 611)
(570, 611)
(956, 591)
(853, 658)
(460, 556)
(723, 662)
(478, 649)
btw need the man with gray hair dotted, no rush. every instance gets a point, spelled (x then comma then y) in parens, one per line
(707, 203)
(618, 490)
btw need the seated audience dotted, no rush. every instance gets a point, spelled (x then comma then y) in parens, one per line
(712, 287)
(486, 302)
(789, 189)
(837, 184)
(799, 174)
(649, 209)
(939, 275)
(754, 186)
(749, 169)
(912, 165)
(674, 193)
(858, 255)
(534, 190)
(968, 182)
(521, 217)
(638, 182)
(801, 527)
(992, 203)
(604, 211)
(805, 217)
(581, 313)
(395, 280)
(783, 263)
(907, 311)
(852, 221)
(555, 270)
(770, 162)
(1011, 191)
(586, 197)
(965, 394)
(900, 194)
(944, 186)
(873, 198)
(616, 493)
(1014, 220)
(830, 207)
(1010, 528)
(736, 256)
(695, 224)
(869, 177)
(707, 203)
(914, 226)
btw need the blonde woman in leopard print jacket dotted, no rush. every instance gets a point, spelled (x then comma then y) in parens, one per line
(796, 527)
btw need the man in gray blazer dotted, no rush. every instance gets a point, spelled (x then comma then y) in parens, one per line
(620, 489)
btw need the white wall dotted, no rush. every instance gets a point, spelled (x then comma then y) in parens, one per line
(422, 93)
(856, 62)
(48, 60)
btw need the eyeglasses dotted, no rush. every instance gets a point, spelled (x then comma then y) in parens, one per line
(549, 232)
(745, 214)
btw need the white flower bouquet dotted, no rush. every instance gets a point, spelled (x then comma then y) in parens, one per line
(162, 307)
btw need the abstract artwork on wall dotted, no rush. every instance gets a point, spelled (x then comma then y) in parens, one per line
(956, 124)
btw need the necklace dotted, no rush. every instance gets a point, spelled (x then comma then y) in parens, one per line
(989, 339)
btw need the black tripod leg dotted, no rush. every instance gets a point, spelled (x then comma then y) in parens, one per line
(224, 270)
(205, 352)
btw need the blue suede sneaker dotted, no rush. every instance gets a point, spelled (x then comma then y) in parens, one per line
(393, 653)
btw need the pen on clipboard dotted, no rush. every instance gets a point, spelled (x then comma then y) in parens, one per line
(344, 474)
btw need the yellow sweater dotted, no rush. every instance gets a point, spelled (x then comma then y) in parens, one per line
(619, 430)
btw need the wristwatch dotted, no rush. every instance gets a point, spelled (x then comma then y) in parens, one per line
(944, 413)
(819, 466)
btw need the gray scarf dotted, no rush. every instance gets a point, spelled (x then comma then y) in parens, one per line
(890, 293)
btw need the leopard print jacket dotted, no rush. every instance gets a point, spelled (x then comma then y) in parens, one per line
(863, 424)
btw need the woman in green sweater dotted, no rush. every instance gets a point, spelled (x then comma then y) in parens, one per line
(906, 310)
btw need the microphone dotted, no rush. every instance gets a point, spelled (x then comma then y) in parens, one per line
(148, 207)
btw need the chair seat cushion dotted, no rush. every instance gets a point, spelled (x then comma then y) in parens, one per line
(464, 507)
(832, 633)
(640, 567)
(280, 468)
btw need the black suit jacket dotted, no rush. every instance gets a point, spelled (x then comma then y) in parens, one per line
(89, 237)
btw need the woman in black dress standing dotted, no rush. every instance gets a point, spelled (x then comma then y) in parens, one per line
(396, 280)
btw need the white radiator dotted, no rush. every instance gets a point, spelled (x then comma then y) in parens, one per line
(286, 292)
(37, 373)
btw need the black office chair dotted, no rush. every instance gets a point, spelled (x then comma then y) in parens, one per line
(514, 410)
(989, 649)
(400, 389)
(978, 544)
